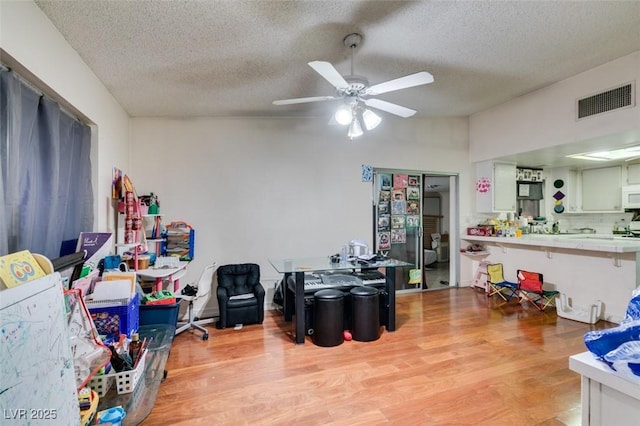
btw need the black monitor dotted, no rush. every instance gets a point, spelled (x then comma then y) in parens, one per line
(69, 266)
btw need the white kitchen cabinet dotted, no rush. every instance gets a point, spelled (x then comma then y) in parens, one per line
(602, 189)
(565, 181)
(495, 187)
(633, 174)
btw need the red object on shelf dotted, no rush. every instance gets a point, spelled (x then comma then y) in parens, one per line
(481, 231)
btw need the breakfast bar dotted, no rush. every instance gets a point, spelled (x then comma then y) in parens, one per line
(584, 268)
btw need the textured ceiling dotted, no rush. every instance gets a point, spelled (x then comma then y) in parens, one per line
(233, 58)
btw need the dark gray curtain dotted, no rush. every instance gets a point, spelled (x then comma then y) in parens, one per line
(45, 171)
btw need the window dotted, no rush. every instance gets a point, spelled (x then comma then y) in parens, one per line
(45, 171)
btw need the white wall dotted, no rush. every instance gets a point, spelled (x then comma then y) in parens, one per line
(31, 39)
(546, 117)
(252, 188)
(256, 188)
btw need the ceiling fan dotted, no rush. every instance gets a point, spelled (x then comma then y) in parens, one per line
(356, 91)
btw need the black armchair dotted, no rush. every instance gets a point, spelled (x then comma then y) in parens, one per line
(240, 295)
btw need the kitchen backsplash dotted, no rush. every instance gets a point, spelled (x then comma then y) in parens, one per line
(603, 223)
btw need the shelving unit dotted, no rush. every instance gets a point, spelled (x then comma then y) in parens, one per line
(475, 253)
(180, 241)
(153, 233)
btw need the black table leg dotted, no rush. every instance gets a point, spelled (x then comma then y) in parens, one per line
(390, 273)
(287, 299)
(299, 300)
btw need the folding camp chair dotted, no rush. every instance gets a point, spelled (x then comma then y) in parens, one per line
(498, 285)
(530, 288)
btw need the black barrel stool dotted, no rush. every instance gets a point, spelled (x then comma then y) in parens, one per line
(328, 318)
(365, 326)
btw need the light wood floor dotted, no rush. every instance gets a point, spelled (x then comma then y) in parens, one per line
(437, 276)
(455, 359)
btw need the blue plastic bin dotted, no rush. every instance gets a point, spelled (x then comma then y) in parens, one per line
(115, 317)
(159, 314)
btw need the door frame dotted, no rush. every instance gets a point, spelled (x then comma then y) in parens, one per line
(454, 221)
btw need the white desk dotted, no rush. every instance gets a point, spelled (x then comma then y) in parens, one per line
(159, 274)
(607, 398)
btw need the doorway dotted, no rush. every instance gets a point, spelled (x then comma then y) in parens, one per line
(436, 225)
(414, 216)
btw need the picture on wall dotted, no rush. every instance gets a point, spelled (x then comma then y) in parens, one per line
(413, 207)
(383, 222)
(116, 184)
(385, 181)
(414, 180)
(384, 208)
(398, 207)
(413, 221)
(384, 242)
(397, 221)
(400, 181)
(398, 194)
(413, 193)
(385, 196)
(398, 236)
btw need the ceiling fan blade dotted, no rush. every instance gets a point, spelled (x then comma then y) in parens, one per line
(412, 80)
(326, 70)
(389, 107)
(303, 100)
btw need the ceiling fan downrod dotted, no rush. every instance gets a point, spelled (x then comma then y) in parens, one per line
(352, 41)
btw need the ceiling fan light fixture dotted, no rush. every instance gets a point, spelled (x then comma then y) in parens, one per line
(355, 129)
(371, 119)
(343, 115)
(355, 91)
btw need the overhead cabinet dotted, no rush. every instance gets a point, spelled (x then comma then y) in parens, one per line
(495, 187)
(633, 174)
(564, 189)
(602, 189)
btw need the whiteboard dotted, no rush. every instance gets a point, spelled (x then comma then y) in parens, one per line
(37, 378)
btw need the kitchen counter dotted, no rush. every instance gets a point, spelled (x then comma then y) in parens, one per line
(592, 242)
(586, 268)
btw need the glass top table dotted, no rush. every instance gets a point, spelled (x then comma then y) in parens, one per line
(297, 267)
(315, 264)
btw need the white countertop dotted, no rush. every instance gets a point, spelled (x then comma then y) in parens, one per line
(587, 365)
(162, 272)
(593, 242)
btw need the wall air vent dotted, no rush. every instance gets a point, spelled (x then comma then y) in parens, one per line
(619, 97)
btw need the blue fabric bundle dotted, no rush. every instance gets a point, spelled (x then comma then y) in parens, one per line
(633, 310)
(619, 347)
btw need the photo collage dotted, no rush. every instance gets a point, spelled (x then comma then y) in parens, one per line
(398, 208)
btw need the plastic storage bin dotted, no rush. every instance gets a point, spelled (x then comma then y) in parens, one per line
(159, 314)
(115, 317)
(126, 381)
